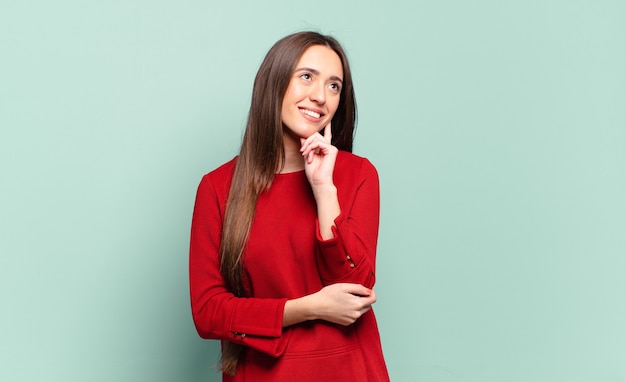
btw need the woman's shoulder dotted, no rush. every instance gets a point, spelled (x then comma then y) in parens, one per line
(224, 171)
(347, 161)
(220, 178)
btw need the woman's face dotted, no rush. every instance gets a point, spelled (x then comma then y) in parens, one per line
(313, 93)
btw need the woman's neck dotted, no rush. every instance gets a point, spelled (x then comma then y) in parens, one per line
(294, 161)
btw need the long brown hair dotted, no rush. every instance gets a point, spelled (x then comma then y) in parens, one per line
(262, 153)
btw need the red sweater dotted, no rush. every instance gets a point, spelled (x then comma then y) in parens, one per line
(286, 258)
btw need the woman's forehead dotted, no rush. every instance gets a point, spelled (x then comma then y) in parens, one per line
(323, 60)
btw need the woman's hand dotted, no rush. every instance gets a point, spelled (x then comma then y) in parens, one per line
(344, 303)
(319, 165)
(319, 158)
(341, 304)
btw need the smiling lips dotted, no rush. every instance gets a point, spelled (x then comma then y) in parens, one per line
(310, 113)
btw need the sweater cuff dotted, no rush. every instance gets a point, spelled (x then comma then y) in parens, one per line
(267, 322)
(333, 260)
(338, 221)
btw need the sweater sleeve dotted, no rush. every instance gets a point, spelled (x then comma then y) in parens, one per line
(217, 313)
(350, 256)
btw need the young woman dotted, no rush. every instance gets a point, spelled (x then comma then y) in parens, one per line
(283, 236)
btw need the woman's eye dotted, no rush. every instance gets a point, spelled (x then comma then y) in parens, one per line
(335, 87)
(305, 76)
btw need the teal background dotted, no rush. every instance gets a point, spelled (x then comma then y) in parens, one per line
(499, 132)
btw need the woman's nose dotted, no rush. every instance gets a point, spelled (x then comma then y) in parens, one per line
(318, 93)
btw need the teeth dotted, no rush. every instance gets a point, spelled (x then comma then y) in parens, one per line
(310, 113)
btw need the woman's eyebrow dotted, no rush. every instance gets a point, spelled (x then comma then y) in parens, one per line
(316, 72)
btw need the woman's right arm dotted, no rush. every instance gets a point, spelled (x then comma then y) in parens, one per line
(217, 313)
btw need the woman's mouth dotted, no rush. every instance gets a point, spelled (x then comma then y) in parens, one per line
(310, 113)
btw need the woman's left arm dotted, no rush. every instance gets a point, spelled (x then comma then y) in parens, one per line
(350, 255)
(348, 208)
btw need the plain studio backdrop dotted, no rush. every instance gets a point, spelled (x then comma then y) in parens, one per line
(498, 129)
